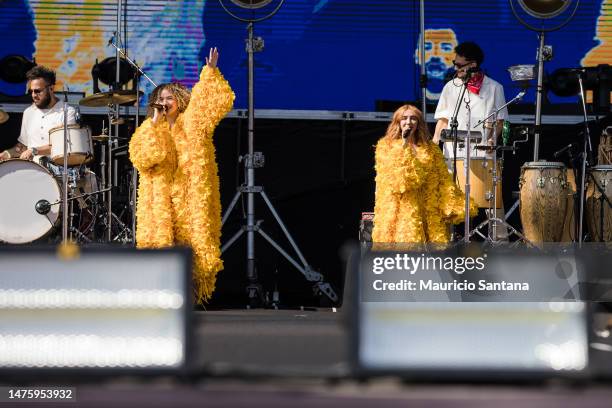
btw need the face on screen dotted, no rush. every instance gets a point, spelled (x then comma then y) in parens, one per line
(439, 51)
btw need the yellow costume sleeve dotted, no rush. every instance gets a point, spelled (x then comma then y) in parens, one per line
(150, 144)
(211, 99)
(452, 199)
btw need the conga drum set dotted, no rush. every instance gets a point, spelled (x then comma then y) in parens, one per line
(547, 200)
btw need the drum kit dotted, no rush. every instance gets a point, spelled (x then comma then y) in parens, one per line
(34, 214)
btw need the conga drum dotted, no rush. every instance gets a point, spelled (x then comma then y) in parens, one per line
(543, 201)
(598, 199)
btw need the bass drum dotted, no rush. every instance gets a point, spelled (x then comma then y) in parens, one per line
(24, 184)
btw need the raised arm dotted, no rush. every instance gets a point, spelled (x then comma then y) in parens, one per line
(211, 99)
(150, 144)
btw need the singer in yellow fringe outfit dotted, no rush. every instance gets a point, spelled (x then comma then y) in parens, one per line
(416, 198)
(178, 194)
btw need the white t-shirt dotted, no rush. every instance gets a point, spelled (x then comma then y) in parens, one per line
(36, 123)
(490, 98)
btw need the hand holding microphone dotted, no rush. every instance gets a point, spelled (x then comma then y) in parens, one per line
(158, 111)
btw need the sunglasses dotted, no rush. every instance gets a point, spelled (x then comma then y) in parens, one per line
(459, 66)
(37, 91)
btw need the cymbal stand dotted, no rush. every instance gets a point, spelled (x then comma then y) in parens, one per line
(64, 205)
(113, 113)
(492, 220)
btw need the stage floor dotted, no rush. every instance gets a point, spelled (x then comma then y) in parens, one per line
(300, 358)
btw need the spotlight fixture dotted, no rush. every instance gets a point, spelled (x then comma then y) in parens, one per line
(13, 68)
(105, 72)
(251, 4)
(544, 8)
(564, 82)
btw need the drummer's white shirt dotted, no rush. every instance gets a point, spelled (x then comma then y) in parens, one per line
(490, 98)
(37, 123)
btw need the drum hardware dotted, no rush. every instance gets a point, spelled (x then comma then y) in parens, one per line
(3, 116)
(604, 153)
(104, 138)
(491, 196)
(64, 201)
(121, 121)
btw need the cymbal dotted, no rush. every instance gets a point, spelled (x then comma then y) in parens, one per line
(3, 116)
(121, 121)
(100, 138)
(104, 138)
(119, 97)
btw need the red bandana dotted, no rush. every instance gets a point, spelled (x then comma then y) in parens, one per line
(475, 83)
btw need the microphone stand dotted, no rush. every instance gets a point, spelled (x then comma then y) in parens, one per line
(134, 182)
(454, 126)
(466, 168)
(587, 148)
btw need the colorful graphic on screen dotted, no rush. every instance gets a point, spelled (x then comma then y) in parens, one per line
(319, 54)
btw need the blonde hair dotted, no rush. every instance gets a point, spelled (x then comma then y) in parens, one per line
(180, 93)
(394, 130)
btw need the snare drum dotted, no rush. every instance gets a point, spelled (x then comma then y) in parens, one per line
(481, 181)
(24, 184)
(79, 145)
(543, 202)
(598, 210)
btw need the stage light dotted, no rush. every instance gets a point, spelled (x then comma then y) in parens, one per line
(118, 309)
(544, 8)
(106, 72)
(251, 4)
(416, 317)
(13, 68)
(564, 82)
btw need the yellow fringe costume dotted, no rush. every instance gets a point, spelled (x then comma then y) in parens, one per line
(178, 195)
(416, 198)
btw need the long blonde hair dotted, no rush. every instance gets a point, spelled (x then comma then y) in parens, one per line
(180, 93)
(394, 130)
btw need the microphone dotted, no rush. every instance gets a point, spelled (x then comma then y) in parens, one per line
(112, 38)
(43, 207)
(468, 73)
(560, 152)
(158, 106)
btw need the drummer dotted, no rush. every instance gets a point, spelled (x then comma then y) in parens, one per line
(45, 113)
